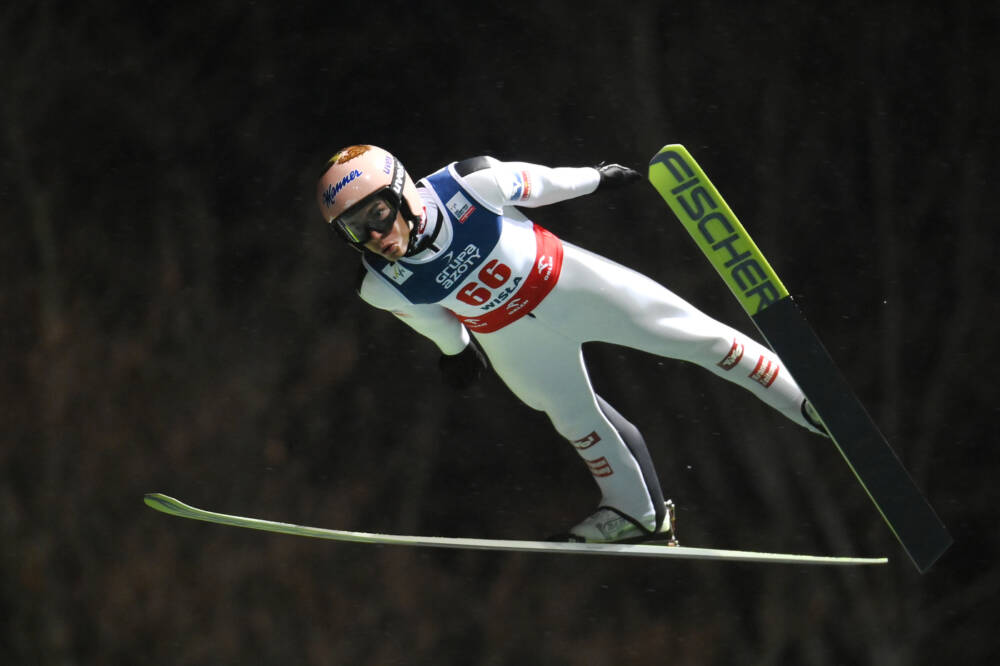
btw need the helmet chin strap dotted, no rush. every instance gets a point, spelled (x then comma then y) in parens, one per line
(411, 244)
(417, 245)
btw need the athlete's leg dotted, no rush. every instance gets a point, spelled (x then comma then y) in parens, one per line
(605, 301)
(546, 371)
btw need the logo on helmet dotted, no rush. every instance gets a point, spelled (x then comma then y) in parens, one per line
(333, 189)
(398, 179)
(348, 154)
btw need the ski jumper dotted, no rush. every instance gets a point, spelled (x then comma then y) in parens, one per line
(532, 300)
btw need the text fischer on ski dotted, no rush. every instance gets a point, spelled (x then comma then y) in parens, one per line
(454, 259)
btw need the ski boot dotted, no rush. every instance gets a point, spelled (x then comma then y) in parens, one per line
(608, 525)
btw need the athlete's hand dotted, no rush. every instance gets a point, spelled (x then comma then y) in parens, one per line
(462, 370)
(616, 175)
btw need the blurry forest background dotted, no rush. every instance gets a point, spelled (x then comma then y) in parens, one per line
(177, 318)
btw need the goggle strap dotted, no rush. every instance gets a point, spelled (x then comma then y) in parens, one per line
(398, 180)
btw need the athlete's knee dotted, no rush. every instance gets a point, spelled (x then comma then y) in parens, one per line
(714, 347)
(578, 426)
(725, 350)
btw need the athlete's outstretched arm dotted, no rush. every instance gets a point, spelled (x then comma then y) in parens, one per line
(532, 185)
(432, 321)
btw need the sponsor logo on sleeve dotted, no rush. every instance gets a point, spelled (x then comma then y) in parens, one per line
(518, 187)
(525, 185)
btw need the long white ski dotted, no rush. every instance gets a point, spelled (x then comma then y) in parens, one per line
(174, 507)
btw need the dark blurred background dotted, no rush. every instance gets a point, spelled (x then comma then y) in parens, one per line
(177, 318)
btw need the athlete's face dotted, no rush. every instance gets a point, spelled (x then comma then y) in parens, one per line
(391, 244)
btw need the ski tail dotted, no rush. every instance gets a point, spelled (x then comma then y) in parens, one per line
(715, 229)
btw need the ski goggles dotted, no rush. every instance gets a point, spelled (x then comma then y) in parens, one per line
(376, 212)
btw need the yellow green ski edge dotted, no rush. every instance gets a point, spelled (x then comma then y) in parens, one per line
(715, 228)
(174, 507)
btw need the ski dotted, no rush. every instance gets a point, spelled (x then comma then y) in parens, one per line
(716, 230)
(175, 507)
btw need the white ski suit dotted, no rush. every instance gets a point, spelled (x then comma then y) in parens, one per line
(532, 300)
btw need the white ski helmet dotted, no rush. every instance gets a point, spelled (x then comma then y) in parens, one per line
(357, 174)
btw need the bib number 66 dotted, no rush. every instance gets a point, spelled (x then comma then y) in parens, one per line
(491, 277)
